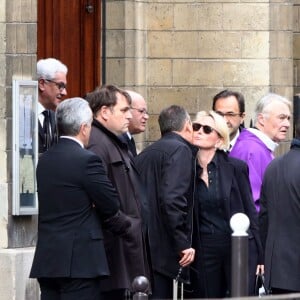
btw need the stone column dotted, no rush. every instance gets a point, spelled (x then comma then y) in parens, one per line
(17, 233)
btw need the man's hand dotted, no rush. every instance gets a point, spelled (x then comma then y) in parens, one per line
(187, 257)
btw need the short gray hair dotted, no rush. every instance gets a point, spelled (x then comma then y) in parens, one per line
(265, 101)
(71, 114)
(47, 68)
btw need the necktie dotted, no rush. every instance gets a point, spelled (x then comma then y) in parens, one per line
(47, 129)
(131, 145)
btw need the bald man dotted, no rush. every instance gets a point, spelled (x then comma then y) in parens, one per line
(137, 123)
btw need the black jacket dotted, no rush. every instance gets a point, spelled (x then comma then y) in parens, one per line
(74, 195)
(167, 169)
(280, 220)
(126, 259)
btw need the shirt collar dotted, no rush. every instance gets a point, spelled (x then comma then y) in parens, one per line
(233, 141)
(40, 108)
(271, 145)
(129, 135)
(73, 139)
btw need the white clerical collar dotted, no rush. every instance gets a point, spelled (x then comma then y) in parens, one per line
(73, 139)
(264, 138)
(233, 141)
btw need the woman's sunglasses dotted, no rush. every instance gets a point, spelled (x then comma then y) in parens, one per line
(206, 129)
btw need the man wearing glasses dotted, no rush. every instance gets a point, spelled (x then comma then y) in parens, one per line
(137, 124)
(52, 83)
(231, 105)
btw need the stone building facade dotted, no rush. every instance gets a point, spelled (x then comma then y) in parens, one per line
(173, 52)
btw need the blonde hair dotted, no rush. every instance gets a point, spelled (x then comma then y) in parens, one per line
(220, 126)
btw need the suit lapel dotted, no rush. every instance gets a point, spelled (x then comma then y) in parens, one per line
(226, 177)
(41, 131)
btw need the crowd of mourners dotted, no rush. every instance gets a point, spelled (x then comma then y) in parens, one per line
(109, 211)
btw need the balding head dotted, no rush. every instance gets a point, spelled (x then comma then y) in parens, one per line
(139, 113)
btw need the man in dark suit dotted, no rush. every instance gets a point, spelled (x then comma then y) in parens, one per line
(75, 199)
(279, 220)
(52, 83)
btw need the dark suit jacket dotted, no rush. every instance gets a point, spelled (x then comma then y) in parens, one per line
(70, 181)
(236, 188)
(280, 220)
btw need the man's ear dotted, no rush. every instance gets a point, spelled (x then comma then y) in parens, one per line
(261, 119)
(243, 115)
(189, 127)
(41, 84)
(103, 113)
(188, 131)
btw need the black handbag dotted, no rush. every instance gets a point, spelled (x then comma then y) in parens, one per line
(260, 288)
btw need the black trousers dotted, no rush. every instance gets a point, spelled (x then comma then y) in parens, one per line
(119, 294)
(211, 272)
(162, 287)
(70, 288)
(253, 261)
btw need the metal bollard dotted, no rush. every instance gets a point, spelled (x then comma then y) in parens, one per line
(239, 223)
(140, 286)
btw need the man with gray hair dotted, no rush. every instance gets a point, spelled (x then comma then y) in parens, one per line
(167, 169)
(256, 145)
(52, 84)
(76, 199)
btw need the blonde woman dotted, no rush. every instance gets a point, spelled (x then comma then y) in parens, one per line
(222, 189)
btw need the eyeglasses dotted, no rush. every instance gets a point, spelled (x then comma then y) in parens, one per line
(142, 111)
(206, 129)
(229, 114)
(61, 85)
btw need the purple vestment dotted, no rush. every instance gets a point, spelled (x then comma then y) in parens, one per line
(257, 155)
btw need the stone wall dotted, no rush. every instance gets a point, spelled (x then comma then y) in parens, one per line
(184, 52)
(17, 61)
(173, 52)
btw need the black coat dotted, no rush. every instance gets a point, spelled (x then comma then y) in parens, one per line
(236, 190)
(70, 181)
(126, 259)
(167, 171)
(280, 220)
